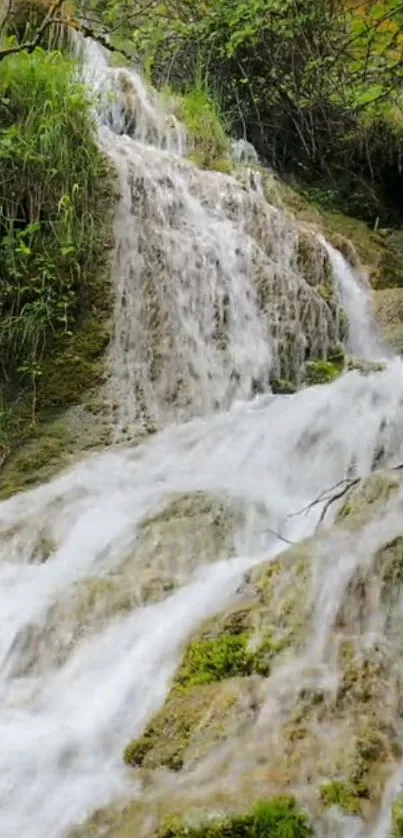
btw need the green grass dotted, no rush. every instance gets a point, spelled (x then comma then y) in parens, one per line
(275, 818)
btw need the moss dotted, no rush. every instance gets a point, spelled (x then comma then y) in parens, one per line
(189, 725)
(279, 817)
(326, 292)
(390, 559)
(216, 658)
(369, 496)
(342, 794)
(320, 372)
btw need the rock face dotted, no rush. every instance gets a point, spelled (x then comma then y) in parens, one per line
(297, 688)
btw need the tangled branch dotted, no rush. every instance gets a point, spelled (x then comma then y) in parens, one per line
(335, 493)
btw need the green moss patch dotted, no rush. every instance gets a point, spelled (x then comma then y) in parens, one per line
(276, 818)
(216, 658)
(320, 372)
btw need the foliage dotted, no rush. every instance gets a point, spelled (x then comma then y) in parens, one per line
(276, 818)
(315, 86)
(52, 210)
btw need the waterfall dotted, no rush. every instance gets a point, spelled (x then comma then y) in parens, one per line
(212, 302)
(363, 340)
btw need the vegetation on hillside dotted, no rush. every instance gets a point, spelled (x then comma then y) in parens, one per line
(54, 199)
(316, 86)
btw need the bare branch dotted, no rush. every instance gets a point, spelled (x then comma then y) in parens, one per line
(331, 495)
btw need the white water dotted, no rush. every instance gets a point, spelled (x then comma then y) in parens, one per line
(64, 721)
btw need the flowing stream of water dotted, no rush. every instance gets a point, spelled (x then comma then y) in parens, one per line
(186, 249)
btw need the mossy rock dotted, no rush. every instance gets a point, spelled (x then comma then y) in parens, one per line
(71, 414)
(368, 497)
(53, 443)
(191, 724)
(313, 262)
(191, 528)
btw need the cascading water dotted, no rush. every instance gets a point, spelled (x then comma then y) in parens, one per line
(364, 340)
(211, 298)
